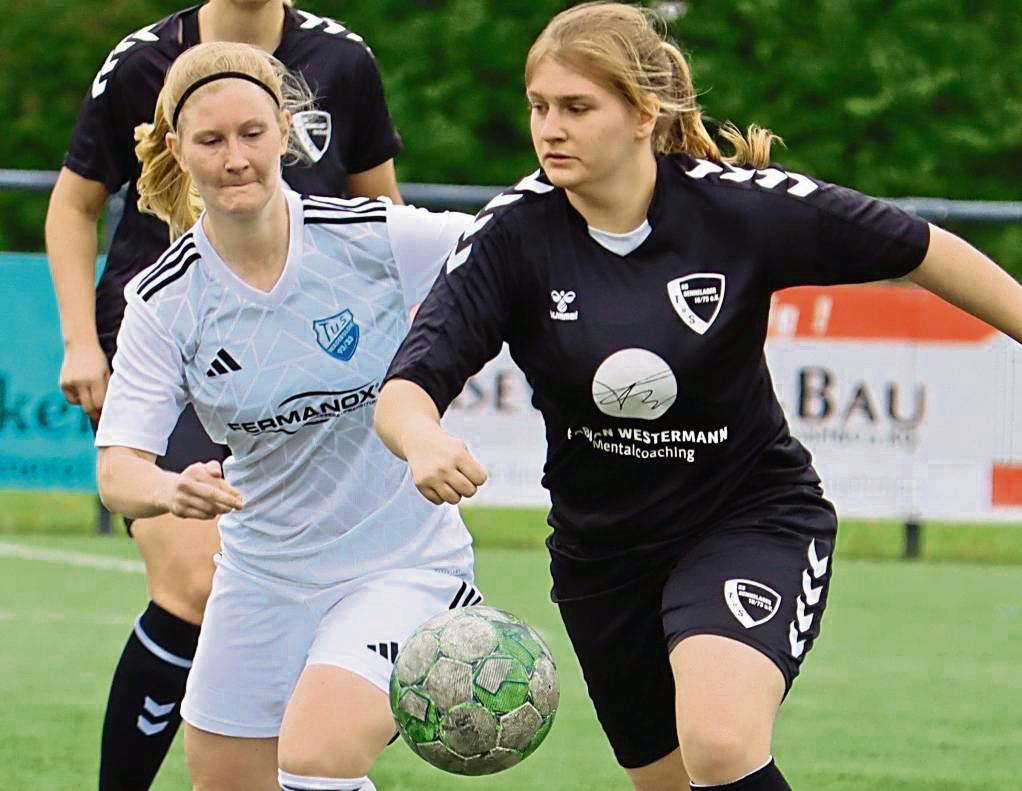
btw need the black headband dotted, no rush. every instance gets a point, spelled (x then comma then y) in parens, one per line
(220, 75)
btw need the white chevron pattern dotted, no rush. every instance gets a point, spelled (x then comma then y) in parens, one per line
(126, 43)
(798, 629)
(156, 709)
(463, 248)
(769, 178)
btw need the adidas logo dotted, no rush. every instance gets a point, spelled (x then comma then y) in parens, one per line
(223, 363)
(471, 594)
(386, 650)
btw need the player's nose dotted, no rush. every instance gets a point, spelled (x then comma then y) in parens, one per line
(552, 128)
(236, 158)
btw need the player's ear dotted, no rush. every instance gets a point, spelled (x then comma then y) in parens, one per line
(172, 142)
(647, 116)
(285, 130)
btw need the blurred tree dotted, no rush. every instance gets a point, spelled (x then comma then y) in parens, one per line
(892, 97)
(49, 52)
(453, 75)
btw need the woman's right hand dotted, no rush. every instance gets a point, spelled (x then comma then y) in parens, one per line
(443, 468)
(84, 375)
(200, 492)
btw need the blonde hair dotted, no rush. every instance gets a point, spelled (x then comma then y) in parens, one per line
(164, 189)
(625, 48)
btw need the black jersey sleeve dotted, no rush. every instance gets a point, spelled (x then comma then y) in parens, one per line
(102, 146)
(374, 138)
(836, 235)
(465, 318)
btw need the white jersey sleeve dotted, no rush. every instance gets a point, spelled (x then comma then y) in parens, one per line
(420, 241)
(147, 390)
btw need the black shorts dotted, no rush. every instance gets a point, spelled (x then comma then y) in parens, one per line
(187, 444)
(759, 578)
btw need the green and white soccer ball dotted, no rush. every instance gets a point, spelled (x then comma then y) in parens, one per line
(474, 691)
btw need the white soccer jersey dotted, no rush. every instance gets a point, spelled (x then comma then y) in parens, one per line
(288, 380)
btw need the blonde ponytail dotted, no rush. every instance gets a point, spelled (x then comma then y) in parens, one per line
(679, 128)
(164, 188)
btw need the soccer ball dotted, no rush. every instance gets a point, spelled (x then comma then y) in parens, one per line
(474, 691)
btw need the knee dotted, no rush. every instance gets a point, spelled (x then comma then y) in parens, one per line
(719, 752)
(309, 762)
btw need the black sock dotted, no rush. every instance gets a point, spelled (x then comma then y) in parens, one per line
(143, 711)
(769, 778)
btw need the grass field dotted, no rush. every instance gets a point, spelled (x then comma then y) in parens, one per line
(62, 513)
(915, 684)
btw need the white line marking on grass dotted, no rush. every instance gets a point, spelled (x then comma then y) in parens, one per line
(39, 616)
(65, 558)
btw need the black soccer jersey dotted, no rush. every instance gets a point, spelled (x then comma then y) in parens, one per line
(648, 368)
(349, 131)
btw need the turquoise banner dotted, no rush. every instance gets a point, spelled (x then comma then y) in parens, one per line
(45, 443)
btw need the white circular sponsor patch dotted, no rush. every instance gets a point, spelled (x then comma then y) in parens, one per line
(634, 383)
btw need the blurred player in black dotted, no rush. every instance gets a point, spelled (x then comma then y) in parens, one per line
(631, 277)
(348, 143)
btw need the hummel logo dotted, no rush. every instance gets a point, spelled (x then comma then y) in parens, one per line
(223, 363)
(386, 650)
(153, 709)
(562, 299)
(798, 629)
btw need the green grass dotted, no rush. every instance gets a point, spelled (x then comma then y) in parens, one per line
(53, 513)
(914, 685)
(61, 514)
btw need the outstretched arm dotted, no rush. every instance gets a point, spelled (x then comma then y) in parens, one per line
(408, 422)
(956, 271)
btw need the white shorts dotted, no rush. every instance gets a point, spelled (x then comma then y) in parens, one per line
(259, 634)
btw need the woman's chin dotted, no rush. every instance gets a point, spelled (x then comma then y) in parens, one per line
(563, 179)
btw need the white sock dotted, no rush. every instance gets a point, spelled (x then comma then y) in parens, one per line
(290, 782)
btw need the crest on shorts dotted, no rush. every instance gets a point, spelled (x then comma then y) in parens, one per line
(697, 299)
(312, 131)
(338, 335)
(752, 603)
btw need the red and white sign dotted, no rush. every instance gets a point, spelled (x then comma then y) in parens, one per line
(910, 407)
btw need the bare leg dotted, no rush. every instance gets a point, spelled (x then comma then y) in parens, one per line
(666, 774)
(227, 763)
(336, 724)
(727, 699)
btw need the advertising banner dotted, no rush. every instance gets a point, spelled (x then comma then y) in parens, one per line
(44, 442)
(911, 407)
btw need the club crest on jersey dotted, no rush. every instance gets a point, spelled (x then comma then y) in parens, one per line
(338, 335)
(697, 299)
(752, 603)
(312, 130)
